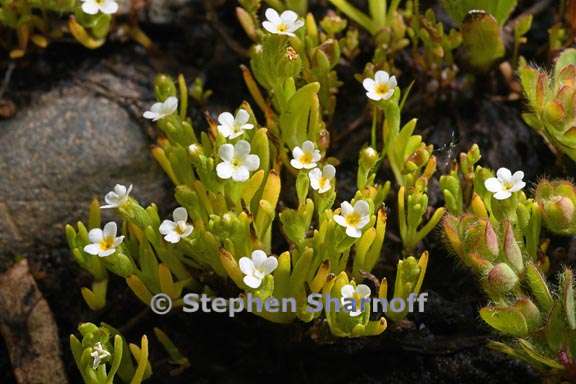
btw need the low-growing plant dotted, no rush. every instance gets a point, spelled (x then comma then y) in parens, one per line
(497, 232)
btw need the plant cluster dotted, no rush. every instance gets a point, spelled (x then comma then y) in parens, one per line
(38, 22)
(259, 212)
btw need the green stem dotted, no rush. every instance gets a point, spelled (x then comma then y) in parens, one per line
(356, 15)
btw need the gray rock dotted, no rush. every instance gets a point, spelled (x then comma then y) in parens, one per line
(69, 145)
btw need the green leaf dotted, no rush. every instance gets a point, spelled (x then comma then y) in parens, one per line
(481, 40)
(506, 320)
(500, 9)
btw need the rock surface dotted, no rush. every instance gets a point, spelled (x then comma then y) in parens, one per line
(70, 144)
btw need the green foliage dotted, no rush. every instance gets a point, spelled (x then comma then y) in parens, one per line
(459, 9)
(551, 101)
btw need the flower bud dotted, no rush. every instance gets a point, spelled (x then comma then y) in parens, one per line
(558, 202)
(333, 24)
(512, 249)
(164, 87)
(501, 279)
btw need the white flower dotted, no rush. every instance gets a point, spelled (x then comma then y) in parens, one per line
(381, 87)
(505, 183)
(117, 197)
(98, 354)
(175, 230)
(351, 294)
(257, 267)
(285, 24)
(92, 7)
(354, 218)
(232, 127)
(320, 179)
(305, 157)
(238, 162)
(161, 110)
(104, 242)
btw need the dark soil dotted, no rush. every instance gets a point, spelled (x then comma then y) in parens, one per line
(446, 344)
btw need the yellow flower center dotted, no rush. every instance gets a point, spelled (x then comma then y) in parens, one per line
(236, 162)
(382, 88)
(322, 182)
(353, 219)
(282, 27)
(106, 243)
(181, 227)
(306, 158)
(507, 185)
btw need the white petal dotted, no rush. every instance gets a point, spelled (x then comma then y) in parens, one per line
(296, 164)
(95, 235)
(107, 252)
(225, 130)
(92, 249)
(347, 291)
(120, 190)
(269, 265)
(112, 199)
(340, 220)
(242, 148)
(246, 265)
(369, 84)
(247, 127)
(355, 313)
(180, 214)
(90, 7)
(502, 195)
(382, 77)
(109, 7)
(252, 281)
(224, 170)
(392, 83)
(316, 156)
(188, 231)
(297, 152)
(353, 232)
(325, 188)
(272, 15)
(314, 176)
(329, 171)
(493, 185)
(518, 176)
(289, 17)
(346, 208)
(242, 117)
(372, 95)
(226, 118)
(156, 108)
(363, 291)
(226, 152)
(308, 146)
(110, 230)
(362, 208)
(504, 174)
(252, 162)
(150, 115)
(172, 237)
(240, 174)
(166, 227)
(388, 95)
(309, 165)
(519, 185)
(269, 26)
(296, 26)
(364, 220)
(258, 257)
(170, 105)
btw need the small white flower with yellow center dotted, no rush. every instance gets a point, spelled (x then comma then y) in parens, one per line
(351, 294)
(353, 218)
(381, 87)
(98, 354)
(160, 110)
(175, 230)
(305, 157)
(117, 197)
(320, 180)
(285, 24)
(103, 242)
(237, 161)
(233, 126)
(257, 267)
(505, 183)
(92, 7)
